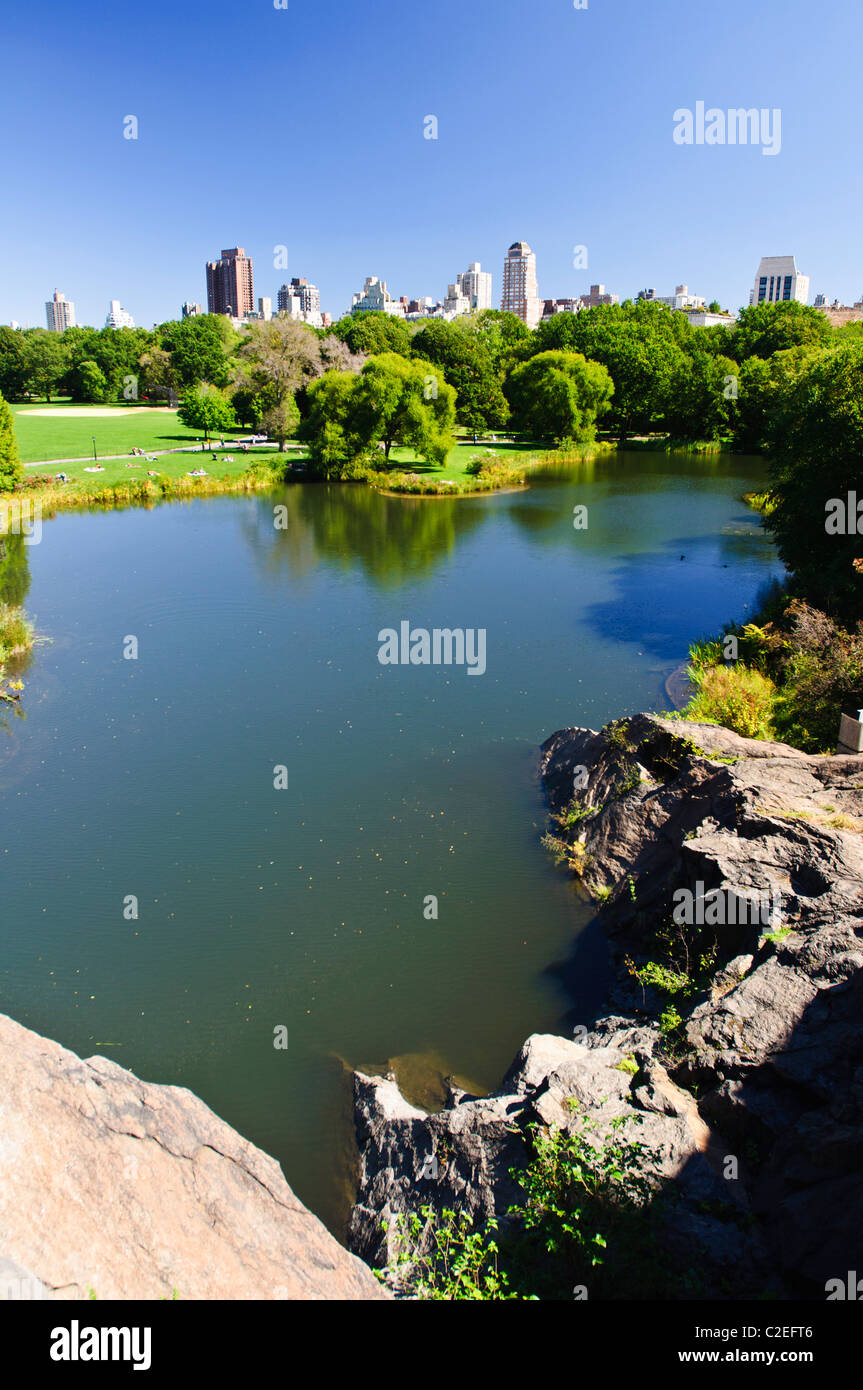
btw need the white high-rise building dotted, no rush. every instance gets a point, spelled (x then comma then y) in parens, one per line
(456, 303)
(778, 281)
(118, 317)
(475, 285)
(59, 312)
(375, 298)
(520, 292)
(682, 299)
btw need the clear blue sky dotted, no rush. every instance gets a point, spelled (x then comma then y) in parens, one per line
(304, 127)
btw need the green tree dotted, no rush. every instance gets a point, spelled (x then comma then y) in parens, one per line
(816, 445)
(91, 384)
(46, 361)
(641, 345)
(13, 363)
(274, 361)
(206, 408)
(374, 333)
(115, 351)
(559, 395)
(504, 336)
(158, 374)
(467, 365)
(397, 401)
(763, 329)
(11, 471)
(393, 401)
(200, 349)
(702, 397)
(326, 427)
(763, 385)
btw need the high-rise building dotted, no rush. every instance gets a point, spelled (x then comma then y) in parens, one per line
(682, 299)
(375, 298)
(118, 317)
(59, 312)
(475, 285)
(456, 302)
(190, 310)
(778, 281)
(550, 307)
(520, 293)
(230, 284)
(597, 296)
(299, 298)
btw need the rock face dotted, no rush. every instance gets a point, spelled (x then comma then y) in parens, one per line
(136, 1190)
(750, 1097)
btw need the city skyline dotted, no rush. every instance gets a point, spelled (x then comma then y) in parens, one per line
(560, 163)
(307, 297)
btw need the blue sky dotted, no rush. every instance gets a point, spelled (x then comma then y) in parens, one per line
(304, 127)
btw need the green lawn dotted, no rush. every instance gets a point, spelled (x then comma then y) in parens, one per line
(55, 437)
(170, 465)
(459, 457)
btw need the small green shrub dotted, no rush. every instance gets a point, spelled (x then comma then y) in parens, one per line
(735, 697)
(441, 1257)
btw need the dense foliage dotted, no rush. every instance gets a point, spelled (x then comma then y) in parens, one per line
(10, 464)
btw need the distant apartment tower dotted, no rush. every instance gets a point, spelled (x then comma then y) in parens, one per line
(230, 285)
(778, 281)
(682, 299)
(190, 310)
(375, 298)
(475, 285)
(520, 293)
(298, 298)
(456, 303)
(118, 317)
(597, 296)
(59, 312)
(550, 307)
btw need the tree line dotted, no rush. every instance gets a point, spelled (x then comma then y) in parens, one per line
(781, 380)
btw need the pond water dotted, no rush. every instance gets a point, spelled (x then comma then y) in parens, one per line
(305, 907)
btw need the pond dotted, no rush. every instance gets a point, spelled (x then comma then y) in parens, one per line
(238, 835)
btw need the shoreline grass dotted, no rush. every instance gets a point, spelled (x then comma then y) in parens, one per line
(482, 472)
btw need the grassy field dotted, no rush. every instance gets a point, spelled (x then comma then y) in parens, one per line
(54, 436)
(459, 457)
(123, 471)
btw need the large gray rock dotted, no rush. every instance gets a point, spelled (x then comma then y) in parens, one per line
(757, 1103)
(135, 1190)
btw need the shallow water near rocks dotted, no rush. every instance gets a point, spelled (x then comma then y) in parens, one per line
(303, 908)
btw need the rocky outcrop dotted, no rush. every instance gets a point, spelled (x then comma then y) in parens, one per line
(736, 1039)
(138, 1191)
